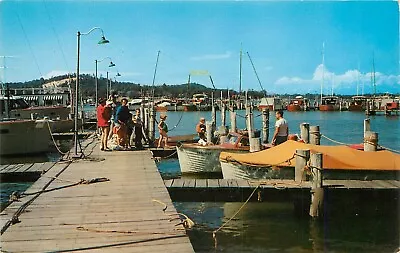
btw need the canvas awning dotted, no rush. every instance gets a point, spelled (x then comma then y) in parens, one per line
(334, 157)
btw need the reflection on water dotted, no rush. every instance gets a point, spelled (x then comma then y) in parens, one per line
(272, 227)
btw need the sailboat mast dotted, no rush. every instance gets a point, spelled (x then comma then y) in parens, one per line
(155, 73)
(373, 71)
(240, 70)
(358, 77)
(323, 67)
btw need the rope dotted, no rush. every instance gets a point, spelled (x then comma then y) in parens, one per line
(15, 196)
(223, 225)
(392, 150)
(54, 141)
(82, 228)
(337, 142)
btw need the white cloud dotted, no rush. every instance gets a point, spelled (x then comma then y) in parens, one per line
(225, 55)
(349, 78)
(54, 73)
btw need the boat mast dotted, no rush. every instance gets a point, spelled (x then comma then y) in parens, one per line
(323, 67)
(373, 71)
(358, 77)
(155, 73)
(333, 83)
(240, 70)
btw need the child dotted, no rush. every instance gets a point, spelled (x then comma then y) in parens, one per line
(163, 130)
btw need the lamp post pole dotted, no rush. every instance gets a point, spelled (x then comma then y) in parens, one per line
(97, 88)
(76, 99)
(107, 86)
(102, 41)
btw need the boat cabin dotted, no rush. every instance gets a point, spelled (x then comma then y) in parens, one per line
(330, 100)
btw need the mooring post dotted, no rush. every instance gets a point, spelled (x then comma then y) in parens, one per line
(209, 131)
(302, 157)
(265, 125)
(315, 136)
(250, 124)
(370, 141)
(367, 125)
(146, 120)
(233, 122)
(317, 190)
(305, 132)
(142, 110)
(152, 124)
(223, 114)
(367, 109)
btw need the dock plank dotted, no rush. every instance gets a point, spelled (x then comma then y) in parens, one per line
(201, 183)
(213, 183)
(133, 200)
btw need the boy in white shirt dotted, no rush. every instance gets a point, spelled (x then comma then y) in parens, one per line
(281, 129)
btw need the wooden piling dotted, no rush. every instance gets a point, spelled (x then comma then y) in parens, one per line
(305, 132)
(265, 125)
(315, 136)
(209, 131)
(223, 114)
(367, 125)
(317, 191)
(152, 124)
(370, 141)
(250, 125)
(254, 144)
(302, 157)
(233, 122)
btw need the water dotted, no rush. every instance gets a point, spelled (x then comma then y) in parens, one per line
(7, 188)
(346, 127)
(273, 227)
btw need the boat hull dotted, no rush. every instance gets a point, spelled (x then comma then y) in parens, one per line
(328, 108)
(24, 137)
(241, 171)
(357, 108)
(248, 172)
(295, 108)
(200, 159)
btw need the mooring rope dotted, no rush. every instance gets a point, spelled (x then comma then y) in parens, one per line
(233, 216)
(54, 142)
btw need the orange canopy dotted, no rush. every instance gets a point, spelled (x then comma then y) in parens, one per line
(334, 157)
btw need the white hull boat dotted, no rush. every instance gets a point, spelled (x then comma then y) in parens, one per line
(24, 137)
(247, 172)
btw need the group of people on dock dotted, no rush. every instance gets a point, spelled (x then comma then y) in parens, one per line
(115, 117)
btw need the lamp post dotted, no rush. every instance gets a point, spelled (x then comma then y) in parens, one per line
(115, 79)
(102, 41)
(97, 85)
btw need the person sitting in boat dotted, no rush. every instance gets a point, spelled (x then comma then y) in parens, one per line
(201, 129)
(163, 130)
(281, 129)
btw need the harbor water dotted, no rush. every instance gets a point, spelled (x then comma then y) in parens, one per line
(274, 227)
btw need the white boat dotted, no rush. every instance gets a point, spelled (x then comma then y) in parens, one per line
(19, 137)
(195, 158)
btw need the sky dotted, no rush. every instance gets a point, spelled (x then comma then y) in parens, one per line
(284, 40)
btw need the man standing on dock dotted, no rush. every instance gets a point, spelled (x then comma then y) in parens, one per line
(281, 129)
(103, 122)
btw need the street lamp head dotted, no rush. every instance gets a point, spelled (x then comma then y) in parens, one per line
(118, 74)
(103, 40)
(111, 64)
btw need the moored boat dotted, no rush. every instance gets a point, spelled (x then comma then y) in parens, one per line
(297, 104)
(329, 103)
(358, 103)
(20, 137)
(272, 103)
(339, 162)
(194, 158)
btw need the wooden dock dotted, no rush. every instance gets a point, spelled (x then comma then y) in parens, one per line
(23, 172)
(124, 214)
(270, 190)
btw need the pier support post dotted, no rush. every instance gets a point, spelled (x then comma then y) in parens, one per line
(265, 125)
(152, 124)
(146, 120)
(254, 144)
(317, 191)
(305, 132)
(209, 131)
(370, 141)
(223, 114)
(250, 125)
(367, 125)
(233, 122)
(315, 136)
(302, 157)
